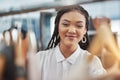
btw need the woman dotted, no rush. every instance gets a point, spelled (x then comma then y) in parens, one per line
(67, 46)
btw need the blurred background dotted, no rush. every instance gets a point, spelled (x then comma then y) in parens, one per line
(26, 27)
(38, 16)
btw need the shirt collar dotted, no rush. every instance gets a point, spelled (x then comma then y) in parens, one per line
(58, 54)
(71, 59)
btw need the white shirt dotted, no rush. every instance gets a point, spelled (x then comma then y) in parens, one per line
(51, 64)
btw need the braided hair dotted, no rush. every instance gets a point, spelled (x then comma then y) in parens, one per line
(55, 37)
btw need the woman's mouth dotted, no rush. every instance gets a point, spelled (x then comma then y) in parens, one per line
(71, 37)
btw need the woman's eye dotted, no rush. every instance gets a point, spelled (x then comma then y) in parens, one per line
(65, 24)
(79, 26)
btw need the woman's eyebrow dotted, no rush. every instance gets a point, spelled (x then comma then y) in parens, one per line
(66, 20)
(79, 21)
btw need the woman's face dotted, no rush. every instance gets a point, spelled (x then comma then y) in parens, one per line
(71, 28)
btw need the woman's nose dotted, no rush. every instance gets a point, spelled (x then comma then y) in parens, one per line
(71, 30)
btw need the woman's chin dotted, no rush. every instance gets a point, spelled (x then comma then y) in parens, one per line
(70, 44)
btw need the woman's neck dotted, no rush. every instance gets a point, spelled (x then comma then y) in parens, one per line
(67, 50)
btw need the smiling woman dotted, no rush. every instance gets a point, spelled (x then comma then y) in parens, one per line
(83, 21)
(72, 28)
(65, 49)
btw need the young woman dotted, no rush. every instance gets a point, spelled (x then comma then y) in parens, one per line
(67, 46)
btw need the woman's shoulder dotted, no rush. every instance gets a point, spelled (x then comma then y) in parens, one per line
(44, 53)
(87, 54)
(41, 56)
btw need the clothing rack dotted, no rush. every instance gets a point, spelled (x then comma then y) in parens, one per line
(44, 6)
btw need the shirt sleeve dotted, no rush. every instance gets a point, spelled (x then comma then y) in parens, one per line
(95, 68)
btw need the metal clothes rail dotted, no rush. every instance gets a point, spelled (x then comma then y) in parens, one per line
(43, 6)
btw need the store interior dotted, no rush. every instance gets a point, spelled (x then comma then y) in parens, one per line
(27, 26)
